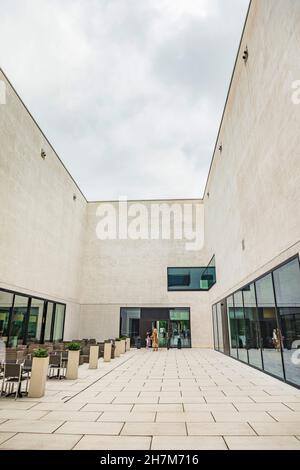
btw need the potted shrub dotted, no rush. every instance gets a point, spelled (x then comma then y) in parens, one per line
(123, 344)
(118, 347)
(39, 371)
(73, 361)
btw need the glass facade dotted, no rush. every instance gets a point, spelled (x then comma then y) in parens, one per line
(171, 323)
(264, 323)
(25, 319)
(200, 278)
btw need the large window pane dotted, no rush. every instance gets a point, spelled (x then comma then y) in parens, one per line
(59, 322)
(287, 290)
(49, 316)
(241, 326)
(232, 327)
(215, 327)
(17, 328)
(270, 334)
(185, 279)
(253, 340)
(6, 300)
(220, 328)
(35, 321)
(130, 322)
(179, 327)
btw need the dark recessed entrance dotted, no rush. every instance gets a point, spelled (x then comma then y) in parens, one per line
(137, 322)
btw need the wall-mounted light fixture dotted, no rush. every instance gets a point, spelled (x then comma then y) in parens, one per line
(220, 148)
(246, 55)
(243, 245)
(207, 194)
(43, 154)
(74, 197)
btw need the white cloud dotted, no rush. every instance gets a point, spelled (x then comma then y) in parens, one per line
(129, 92)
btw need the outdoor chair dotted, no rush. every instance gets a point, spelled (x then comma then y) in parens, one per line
(12, 376)
(55, 365)
(64, 361)
(26, 369)
(85, 354)
(11, 355)
(101, 349)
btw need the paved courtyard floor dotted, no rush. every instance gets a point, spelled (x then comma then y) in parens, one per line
(178, 399)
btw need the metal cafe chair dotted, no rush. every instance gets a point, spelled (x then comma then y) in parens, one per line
(26, 369)
(12, 376)
(55, 365)
(64, 363)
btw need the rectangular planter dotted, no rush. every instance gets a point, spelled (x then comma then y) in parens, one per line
(122, 346)
(107, 352)
(38, 377)
(94, 356)
(72, 367)
(118, 349)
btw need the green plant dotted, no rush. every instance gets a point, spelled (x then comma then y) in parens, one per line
(73, 346)
(40, 352)
(123, 337)
(118, 339)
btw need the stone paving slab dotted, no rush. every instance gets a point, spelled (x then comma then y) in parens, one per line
(40, 442)
(177, 399)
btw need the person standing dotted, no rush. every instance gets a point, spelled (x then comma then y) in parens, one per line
(154, 338)
(148, 340)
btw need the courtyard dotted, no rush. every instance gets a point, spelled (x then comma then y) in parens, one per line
(178, 399)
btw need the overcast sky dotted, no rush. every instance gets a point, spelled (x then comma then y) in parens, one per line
(129, 92)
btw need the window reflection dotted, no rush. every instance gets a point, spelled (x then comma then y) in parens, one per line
(59, 322)
(35, 321)
(240, 326)
(253, 338)
(232, 327)
(49, 317)
(220, 328)
(287, 289)
(270, 333)
(17, 327)
(6, 301)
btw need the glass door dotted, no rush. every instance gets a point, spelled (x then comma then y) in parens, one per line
(162, 328)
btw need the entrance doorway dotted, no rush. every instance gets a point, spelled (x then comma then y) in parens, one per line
(173, 323)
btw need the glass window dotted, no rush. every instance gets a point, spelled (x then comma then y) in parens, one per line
(185, 278)
(179, 327)
(178, 314)
(271, 336)
(220, 328)
(287, 284)
(59, 322)
(232, 327)
(17, 327)
(130, 322)
(202, 278)
(287, 290)
(35, 320)
(215, 327)
(253, 340)
(6, 300)
(49, 316)
(241, 326)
